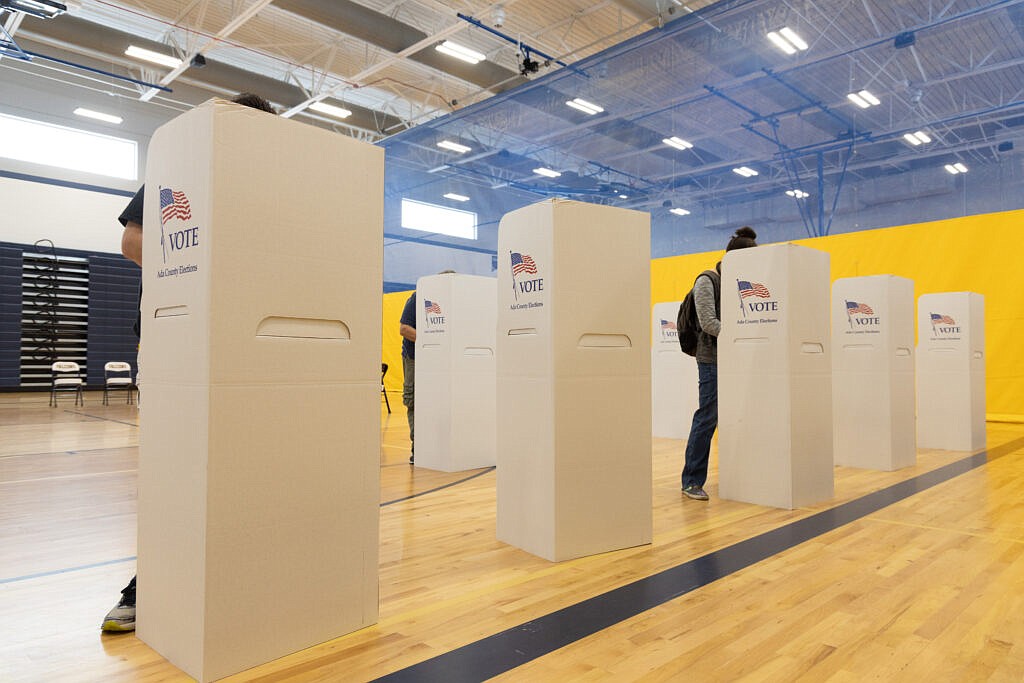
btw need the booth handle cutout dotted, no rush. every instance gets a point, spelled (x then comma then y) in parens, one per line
(171, 311)
(522, 331)
(605, 341)
(902, 351)
(477, 351)
(303, 328)
(812, 347)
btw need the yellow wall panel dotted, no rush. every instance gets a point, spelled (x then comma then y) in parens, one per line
(391, 354)
(975, 253)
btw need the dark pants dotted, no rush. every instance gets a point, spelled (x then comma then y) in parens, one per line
(409, 392)
(705, 420)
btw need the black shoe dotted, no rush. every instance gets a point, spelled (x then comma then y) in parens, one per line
(122, 617)
(695, 492)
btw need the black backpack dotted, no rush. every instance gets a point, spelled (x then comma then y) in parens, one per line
(687, 324)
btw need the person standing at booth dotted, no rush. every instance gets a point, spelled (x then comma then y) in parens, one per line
(407, 328)
(707, 299)
(122, 617)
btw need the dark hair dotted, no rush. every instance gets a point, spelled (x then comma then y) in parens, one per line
(742, 238)
(249, 99)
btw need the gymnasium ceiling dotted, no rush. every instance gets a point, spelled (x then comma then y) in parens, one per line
(700, 71)
(375, 58)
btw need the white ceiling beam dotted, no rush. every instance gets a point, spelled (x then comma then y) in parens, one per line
(360, 78)
(12, 24)
(224, 33)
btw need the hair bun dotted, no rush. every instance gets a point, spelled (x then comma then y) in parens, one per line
(746, 231)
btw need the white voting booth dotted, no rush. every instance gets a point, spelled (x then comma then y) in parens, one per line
(455, 373)
(673, 376)
(873, 372)
(775, 377)
(260, 431)
(951, 371)
(574, 392)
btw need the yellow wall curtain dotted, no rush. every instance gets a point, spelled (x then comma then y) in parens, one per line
(391, 354)
(975, 254)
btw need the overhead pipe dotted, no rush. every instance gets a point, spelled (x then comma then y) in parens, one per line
(526, 49)
(98, 71)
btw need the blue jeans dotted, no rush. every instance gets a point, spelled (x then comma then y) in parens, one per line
(705, 421)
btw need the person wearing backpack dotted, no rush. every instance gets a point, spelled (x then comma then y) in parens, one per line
(707, 303)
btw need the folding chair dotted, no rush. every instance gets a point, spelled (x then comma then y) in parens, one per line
(66, 377)
(117, 375)
(384, 371)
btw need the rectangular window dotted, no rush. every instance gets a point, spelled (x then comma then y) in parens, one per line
(438, 219)
(78, 150)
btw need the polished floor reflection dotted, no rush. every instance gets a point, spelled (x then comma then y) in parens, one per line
(925, 584)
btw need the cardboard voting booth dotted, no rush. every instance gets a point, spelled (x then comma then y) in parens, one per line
(455, 374)
(574, 379)
(673, 376)
(775, 377)
(260, 430)
(951, 371)
(873, 372)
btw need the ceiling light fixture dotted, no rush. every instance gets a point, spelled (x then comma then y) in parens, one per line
(99, 116)
(863, 99)
(745, 171)
(787, 40)
(623, 196)
(454, 146)
(456, 197)
(797, 194)
(331, 110)
(151, 56)
(460, 52)
(678, 143)
(956, 168)
(546, 172)
(45, 9)
(679, 212)
(918, 138)
(584, 106)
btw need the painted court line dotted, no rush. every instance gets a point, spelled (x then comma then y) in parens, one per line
(67, 570)
(97, 417)
(502, 652)
(128, 559)
(439, 488)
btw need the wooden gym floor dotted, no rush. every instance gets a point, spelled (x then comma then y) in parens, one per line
(909, 575)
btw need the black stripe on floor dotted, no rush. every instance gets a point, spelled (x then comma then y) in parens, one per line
(438, 488)
(516, 646)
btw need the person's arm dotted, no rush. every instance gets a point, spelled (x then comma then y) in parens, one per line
(704, 302)
(407, 332)
(131, 242)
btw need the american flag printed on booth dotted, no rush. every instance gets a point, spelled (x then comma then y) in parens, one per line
(174, 204)
(431, 306)
(752, 289)
(522, 263)
(854, 307)
(942, 319)
(668, 325)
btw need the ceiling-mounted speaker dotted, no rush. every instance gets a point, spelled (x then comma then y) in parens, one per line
(904, 40)
(1005, 146)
